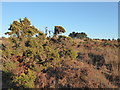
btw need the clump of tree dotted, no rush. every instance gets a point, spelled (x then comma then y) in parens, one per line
(59, 30)
(81, 35)
(22, 28)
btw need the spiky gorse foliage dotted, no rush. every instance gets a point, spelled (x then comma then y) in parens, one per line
(26, 80)
(22, 28)
(27, 45)
(68, 53)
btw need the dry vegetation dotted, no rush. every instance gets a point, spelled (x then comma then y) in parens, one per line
(59, 62)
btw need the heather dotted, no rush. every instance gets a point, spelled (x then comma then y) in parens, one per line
(33, 59)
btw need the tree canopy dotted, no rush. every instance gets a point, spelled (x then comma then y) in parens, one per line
(59, 30)
(78, 35)
(22, 28)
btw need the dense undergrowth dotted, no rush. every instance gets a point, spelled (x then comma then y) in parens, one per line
(58, 62)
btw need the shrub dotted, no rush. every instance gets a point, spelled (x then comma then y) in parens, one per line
(27, 44)
(26, 80)
(68, 53)
(81, 35)
(62, 38)
(28, 53)
(7, 53)
(59, 30)
(2, 47)
(97, 60)
(8, 65)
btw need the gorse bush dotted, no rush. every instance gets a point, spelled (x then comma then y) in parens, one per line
(26, 80)
(28, 53)
(68, 53)
(22, 28)
(9, 66)
(65, 39)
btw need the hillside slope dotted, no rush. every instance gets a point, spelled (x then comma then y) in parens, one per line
(30, 59)
(60, 63)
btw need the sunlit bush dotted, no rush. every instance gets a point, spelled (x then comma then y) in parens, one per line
(26, 80)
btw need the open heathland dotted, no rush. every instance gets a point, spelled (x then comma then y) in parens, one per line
(32, 59)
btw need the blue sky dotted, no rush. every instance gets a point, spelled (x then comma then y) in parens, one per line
(97, 19)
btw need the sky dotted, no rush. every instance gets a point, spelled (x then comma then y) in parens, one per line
(96, 19)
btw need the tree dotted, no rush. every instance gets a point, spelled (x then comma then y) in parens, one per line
(81, 35)
(58, 30)
(118, 39)
(22, 28)
(78, 35)
(72, 35)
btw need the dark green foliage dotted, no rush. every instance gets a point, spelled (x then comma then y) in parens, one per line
(68, 53)
(97, 60)
(78, 35)
(27, 53)
(61, 37)
(58, 30)
(2, 47)
(27, 44)
(64, 39)
(105, 44)
(118, 39)
(51, 53)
